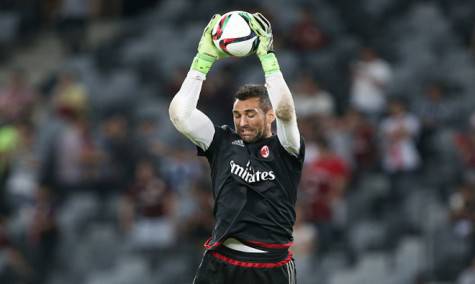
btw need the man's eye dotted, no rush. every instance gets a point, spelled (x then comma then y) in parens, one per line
(251, 115)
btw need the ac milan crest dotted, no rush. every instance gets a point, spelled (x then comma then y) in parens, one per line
(264, 151)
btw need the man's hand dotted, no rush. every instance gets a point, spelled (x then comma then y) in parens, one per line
(262, 27)
(207, 52)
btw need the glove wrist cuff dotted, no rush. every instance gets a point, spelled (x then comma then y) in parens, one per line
(269, 63)
(202, 63)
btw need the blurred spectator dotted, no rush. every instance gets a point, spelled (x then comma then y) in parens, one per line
(310, 100)
(179, 164)
(17, 98)
(196, 214)
(371, 75)
(462, 210)
(432, 108)
(117, 155)
(324, 184)
(150, 139)
(69, 93)
(147, 209)
(465, 144)
(9, 139)
(22, 181)
(363, 142)
(73, 159)
(200, 221)
(306, 34)
(400, 157)
(304, 245)
(434, 113)
(339, 138)
(399, 133)
(310, 129)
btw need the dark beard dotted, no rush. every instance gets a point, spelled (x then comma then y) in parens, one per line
(259, 136)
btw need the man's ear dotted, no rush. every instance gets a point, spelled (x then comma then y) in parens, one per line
(270, 115)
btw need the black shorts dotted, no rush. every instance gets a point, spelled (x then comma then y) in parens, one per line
(219, 268)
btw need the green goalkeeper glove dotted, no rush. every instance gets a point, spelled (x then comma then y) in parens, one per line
(207, 52)
(262, 27)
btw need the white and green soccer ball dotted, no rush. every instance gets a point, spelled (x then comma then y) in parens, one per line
(233, 35)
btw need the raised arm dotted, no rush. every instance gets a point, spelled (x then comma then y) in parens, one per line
(286, 118)
(279, 93)
(184, 115)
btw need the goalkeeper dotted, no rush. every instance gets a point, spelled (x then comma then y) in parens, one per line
(255, 173)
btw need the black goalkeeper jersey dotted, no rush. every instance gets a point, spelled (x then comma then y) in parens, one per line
(254, 188)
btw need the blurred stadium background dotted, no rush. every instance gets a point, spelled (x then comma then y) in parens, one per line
(96, 187)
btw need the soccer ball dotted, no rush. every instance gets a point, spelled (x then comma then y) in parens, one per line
(233, 35)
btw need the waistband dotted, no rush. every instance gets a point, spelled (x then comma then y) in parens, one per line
(264, 246)
(270, 258)
(235, 244)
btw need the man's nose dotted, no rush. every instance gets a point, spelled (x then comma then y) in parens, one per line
(242, 121)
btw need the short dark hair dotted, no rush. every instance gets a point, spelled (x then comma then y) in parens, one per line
(249, 91)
